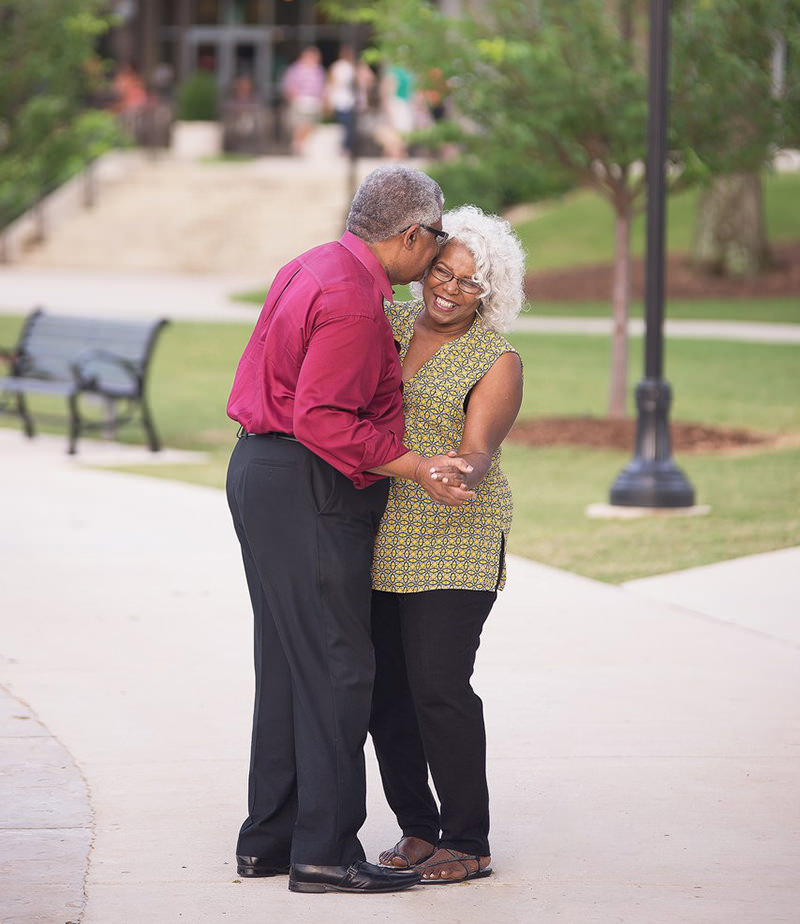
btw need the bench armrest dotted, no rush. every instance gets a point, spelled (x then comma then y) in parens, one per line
(94, 353)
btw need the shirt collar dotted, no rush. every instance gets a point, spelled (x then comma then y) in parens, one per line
(361, 252)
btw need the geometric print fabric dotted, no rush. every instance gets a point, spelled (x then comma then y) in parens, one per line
(422, 545)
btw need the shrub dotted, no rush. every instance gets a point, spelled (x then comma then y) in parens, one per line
(197, 98)
(47, 157)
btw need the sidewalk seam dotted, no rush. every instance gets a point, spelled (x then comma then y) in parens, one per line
(90, 826)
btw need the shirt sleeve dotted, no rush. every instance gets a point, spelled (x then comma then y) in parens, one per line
(340, 376)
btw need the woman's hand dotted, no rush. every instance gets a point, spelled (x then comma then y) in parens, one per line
(422, 469)
(444, 479)
(448, 473)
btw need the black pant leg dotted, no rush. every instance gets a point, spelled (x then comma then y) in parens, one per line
(311, 535)
(441, 634)
(272, 782)
(346, 523)
(394, 729)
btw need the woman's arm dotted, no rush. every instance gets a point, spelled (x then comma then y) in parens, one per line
(494, 403)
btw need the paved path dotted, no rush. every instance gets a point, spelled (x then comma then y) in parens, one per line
(644, 740)
(221, 217)
(644, 747)
(199, 297)
(180, 297)
(45, 820)
(177, 239)
(676, 329)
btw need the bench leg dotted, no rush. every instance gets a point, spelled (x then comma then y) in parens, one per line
(149, 427)
(27, 420)
(111, 419)
(74, 424)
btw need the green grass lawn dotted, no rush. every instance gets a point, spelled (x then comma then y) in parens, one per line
(727, 383)
(578, 228)
(753, 495)
(764, 310)
(753, 502)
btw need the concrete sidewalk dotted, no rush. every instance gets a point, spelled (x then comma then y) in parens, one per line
(644, 751)
(198, 297)
(177, 296)
(644, 741)
(176, 240)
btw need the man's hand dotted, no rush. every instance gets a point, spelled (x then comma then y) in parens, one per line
(479, 462)
(442, 477)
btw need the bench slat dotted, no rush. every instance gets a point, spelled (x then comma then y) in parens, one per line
(70, 355)
(38, 386)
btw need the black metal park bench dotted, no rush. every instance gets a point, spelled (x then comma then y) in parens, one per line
(75, 357)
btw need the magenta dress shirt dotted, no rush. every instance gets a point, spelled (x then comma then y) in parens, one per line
(321, 364)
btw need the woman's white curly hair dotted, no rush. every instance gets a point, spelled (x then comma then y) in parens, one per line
(499, 262)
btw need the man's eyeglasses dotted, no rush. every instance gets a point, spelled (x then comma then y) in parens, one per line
(442, 237)
(468, 286)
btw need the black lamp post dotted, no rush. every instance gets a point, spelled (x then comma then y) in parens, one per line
(651, 479)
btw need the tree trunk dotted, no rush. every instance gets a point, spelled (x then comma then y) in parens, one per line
(730, 237)
(621, 297)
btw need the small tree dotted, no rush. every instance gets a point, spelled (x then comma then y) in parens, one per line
(49, 68)
(563, 87)
(756, 44)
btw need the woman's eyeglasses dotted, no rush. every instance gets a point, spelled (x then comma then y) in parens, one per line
(468, 286)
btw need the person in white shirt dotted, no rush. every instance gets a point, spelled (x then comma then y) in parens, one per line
(342, 95)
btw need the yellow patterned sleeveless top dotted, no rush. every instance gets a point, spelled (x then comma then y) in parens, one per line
(422, 545)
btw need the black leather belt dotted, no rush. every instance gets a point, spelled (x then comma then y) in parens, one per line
(243, 434)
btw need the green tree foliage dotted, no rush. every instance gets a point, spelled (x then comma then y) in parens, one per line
(49, 69)
(726, 111)
(747, 104)
(560, 89)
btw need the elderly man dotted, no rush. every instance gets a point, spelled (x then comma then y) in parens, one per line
(318, 396)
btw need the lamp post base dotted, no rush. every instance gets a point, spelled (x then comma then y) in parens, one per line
(651, 479)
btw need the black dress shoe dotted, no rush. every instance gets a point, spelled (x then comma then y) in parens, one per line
(255, 867)
(358, 877)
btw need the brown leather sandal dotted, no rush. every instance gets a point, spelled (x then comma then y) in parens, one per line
(396, 853)
(479, 873)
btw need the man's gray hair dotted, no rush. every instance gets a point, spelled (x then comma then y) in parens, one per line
(390, 199)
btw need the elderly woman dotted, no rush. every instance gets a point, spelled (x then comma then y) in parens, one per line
(437, 570)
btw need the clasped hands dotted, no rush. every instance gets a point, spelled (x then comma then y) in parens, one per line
(443, 477)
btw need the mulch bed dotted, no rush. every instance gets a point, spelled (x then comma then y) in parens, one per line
(603, 433)
(681, 281)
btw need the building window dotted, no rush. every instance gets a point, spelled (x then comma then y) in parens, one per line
(321, 18)
(206, 58)
(168, 12)
(207, 12)
(243, 12)
(288, 12)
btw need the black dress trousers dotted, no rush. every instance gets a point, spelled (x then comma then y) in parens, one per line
(307, 537)
(425, 714)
